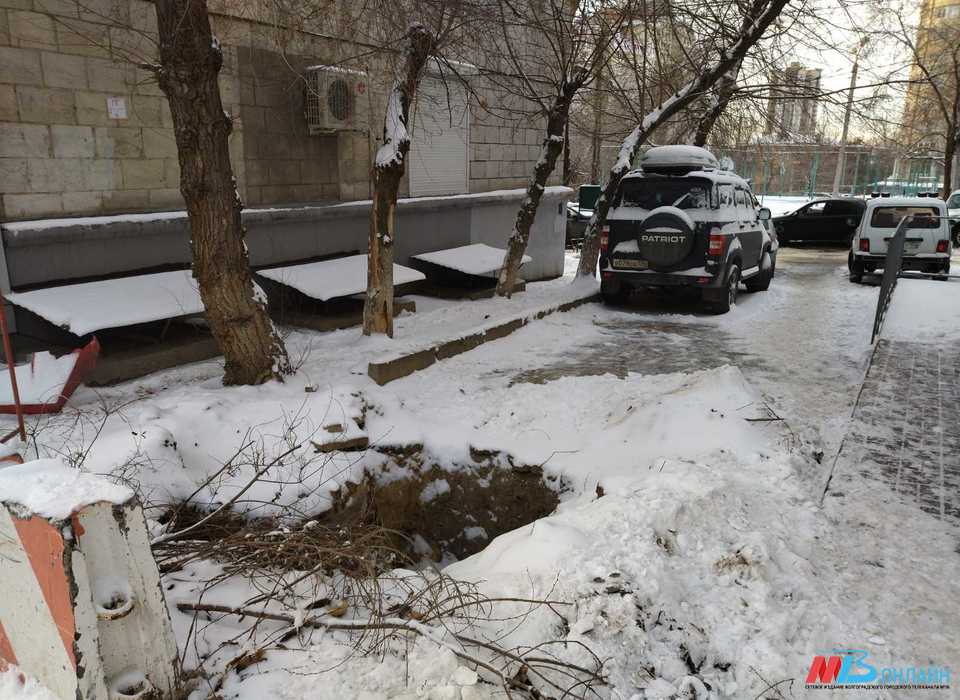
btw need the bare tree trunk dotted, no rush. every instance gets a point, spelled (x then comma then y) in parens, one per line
(949, 151)
(595, 138)
(725, 89)
(387, 173)
(190, 59)
(756, 22)
(553, 144)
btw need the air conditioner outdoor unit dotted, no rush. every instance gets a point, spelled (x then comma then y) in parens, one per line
(337, 99)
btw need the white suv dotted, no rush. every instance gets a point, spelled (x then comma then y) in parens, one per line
(927, 244)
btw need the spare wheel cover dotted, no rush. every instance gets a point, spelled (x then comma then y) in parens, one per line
(665, 239)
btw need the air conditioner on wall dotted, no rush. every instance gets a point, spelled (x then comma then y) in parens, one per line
(337, 99)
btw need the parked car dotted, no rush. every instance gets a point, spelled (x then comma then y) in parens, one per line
(682, 222)
(953, 209)
(927, 245)
(821, 220)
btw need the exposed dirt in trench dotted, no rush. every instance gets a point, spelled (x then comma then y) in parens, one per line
(457, 509)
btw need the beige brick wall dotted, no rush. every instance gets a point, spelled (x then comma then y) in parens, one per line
(61, 153)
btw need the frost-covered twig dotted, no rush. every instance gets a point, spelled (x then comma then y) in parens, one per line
(518, 680)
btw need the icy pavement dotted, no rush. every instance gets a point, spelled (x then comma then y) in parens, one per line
(805, 343)
(906, 429)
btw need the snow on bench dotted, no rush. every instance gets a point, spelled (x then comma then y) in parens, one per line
(339, 277)
(92, 306)
(478, 259)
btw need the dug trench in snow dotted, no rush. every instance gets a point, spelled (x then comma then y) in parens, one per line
(447, 510)
(412, 504)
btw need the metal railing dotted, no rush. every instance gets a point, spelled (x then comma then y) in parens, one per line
(891, 272)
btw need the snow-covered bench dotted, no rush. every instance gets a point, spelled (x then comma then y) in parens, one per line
(467, 271)
(331, 279)
(476, 259)
(126, 301)
(110, 308)
(326, 294)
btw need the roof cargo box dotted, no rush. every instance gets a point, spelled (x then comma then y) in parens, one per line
(677, 159)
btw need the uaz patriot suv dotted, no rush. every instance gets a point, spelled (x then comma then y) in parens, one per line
(681, 221)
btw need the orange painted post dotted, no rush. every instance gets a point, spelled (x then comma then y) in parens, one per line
(8, 353)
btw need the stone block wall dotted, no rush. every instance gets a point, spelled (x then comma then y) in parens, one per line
(284, 163)
(62, 154)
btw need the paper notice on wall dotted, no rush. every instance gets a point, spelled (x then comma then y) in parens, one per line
(117, 107)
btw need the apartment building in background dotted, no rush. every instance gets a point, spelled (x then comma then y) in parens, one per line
(792, 105)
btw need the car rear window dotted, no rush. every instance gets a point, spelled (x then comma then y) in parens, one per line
(686, 193)
(889, 217)
(842, 208)
(954, 201)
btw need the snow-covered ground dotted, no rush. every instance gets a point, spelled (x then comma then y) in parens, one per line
(924, 309)
(690, 550)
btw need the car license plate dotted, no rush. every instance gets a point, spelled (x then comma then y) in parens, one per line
(911, 246)
(630, 264)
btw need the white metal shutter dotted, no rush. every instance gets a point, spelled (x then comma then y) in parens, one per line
(441, 137)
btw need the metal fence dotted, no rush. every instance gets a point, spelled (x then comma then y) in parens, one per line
(891, 272)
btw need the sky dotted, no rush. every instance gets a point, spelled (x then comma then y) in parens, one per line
(844, 23)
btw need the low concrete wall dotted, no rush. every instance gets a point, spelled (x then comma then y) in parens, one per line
(61, 250)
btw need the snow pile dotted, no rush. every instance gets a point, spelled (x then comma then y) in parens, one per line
(51, 489)
(424, 670)
(924, 310)
(16, 685)
(178, 442)
(698, 569)
(40, 381)
(583, 429)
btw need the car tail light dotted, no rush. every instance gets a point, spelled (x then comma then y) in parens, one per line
(864, 245)
(604, 238)
(717, 242)
(943, 246)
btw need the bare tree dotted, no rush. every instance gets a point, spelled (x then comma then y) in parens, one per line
(934, 49)
(387, 173)
(190, 60)
(577, 41)
(725, 87)
(760, 16)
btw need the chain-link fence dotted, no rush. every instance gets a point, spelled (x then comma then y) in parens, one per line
(780, 169)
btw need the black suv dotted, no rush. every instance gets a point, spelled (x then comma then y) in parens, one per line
(681, 221)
